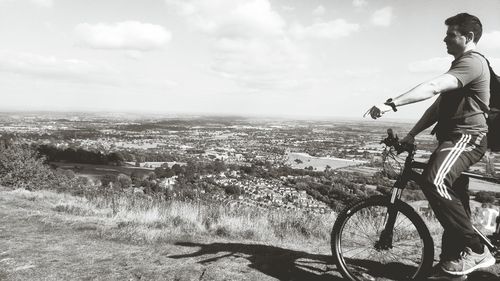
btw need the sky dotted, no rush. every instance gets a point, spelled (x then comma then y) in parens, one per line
(289, 58)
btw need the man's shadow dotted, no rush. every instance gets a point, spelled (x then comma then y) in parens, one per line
(283, 264)
(286, 264)
(482, 276)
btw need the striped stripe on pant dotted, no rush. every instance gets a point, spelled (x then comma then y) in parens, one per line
(447, 191)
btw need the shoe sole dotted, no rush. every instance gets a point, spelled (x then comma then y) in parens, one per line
(448, 278)
(486, 263)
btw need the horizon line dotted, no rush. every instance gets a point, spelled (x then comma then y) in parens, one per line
(206, 114)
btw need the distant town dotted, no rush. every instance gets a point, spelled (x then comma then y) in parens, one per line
(315, 165)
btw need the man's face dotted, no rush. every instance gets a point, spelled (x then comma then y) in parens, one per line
(455, 42)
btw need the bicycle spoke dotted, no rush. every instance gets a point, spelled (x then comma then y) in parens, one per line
(362, 250)
(376, 228)
(361, 234)
(375, 224)
(350, 244)
(398, 258)
(361, 224)
(400, 222)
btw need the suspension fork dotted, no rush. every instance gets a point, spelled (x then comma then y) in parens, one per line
(392, 212)
(385, 239)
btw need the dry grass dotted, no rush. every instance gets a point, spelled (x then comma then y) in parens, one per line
(132, 218)
(153, 221)
(139, 219)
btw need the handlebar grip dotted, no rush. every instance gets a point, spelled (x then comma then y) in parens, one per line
(392, 140)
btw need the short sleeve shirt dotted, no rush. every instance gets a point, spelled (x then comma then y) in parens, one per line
(460, 110)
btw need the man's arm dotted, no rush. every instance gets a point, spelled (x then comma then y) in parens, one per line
(426, 90)
(429, 89)
(428, 119)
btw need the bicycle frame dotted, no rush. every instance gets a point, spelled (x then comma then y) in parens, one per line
(408, 173)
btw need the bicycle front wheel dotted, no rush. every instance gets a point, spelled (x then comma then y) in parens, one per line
(362, 252)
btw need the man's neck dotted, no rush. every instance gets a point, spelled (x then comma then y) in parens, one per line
(468, 48)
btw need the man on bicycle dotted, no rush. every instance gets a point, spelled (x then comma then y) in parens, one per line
(461, 129)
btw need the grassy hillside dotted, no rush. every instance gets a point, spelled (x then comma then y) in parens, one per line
(143, 219)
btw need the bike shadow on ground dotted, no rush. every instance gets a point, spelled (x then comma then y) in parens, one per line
(282, 264)
(474, 276)
(482, 276)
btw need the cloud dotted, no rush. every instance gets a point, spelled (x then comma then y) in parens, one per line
(442, 64)
(49, 67)
(128, 35)
(41, 3)
(259, 64)
(325, 30)
(382, 17)
(490, 40)
(319, 11)
(495, 64)
(232, 18)
(44, 3)
(433, 65)
(250, 44)
(361, 73)
(359, 3)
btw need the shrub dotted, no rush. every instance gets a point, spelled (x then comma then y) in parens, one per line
(124, 180)
(107, 179)
(485, 197)
(233, 190)
(20, 166)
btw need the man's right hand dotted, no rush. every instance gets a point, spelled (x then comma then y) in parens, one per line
(409, 139)
(377, 111)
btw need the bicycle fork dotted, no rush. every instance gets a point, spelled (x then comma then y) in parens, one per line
(385, 239)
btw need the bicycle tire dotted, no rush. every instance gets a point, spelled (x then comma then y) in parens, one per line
(419, 256)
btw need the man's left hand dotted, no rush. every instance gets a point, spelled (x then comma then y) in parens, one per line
(377, 111)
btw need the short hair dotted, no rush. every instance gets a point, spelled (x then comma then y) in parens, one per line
(466, 23)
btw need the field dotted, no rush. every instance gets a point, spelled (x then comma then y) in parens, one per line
(93, 170)
(304, 160)
(152, 165)
(478, 185)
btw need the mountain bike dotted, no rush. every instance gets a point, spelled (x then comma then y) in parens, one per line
(384, 237)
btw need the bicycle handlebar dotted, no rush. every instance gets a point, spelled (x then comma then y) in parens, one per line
(393, 140)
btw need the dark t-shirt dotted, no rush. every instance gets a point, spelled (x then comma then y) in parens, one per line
(459, 110)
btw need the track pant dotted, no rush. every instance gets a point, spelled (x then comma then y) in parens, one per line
(447, 191)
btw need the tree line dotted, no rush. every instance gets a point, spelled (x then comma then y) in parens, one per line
(79, 155)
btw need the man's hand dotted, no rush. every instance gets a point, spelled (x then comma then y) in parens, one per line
(377, 111)
(409, 139)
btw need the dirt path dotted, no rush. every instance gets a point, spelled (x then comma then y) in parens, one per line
(36, 243)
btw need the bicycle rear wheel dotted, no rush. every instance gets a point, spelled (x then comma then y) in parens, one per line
(356, 242)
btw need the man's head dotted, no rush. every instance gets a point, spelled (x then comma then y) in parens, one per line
(463, 31)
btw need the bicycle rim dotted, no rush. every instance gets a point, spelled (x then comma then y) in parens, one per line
(358, 231)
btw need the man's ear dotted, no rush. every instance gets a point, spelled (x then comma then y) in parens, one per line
(470, 37)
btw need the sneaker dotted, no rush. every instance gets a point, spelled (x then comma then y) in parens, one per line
(468, 262)
(437, 274)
